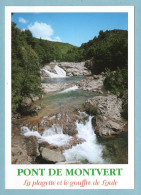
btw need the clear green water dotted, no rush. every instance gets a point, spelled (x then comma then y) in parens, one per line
(115, 150)
(72, 99)
(70, 80)
(56, 101)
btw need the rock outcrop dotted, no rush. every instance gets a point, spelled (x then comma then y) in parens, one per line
(51, 155)
(93, 83)
(71, 69)
(54, 87)
(107, 110)
(24, 149)
(75, 69)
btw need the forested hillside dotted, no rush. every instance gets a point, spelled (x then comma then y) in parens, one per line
(25, 68)
(28, 56)
(108, 51)
(48, 51)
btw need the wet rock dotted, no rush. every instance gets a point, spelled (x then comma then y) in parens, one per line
(68, 121)
(70, 129)
(76, 141)
(47, 145)
(24, 149)
(107, 110)
(54, 87)
(32, 146)
(73, 142)
(51, 155)
(94, 83)
(48, 67)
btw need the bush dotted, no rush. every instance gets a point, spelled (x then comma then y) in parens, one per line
(116, 81)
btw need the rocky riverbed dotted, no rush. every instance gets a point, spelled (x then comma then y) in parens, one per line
(74, 112)
(70, 68)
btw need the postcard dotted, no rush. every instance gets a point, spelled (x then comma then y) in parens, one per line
(69, 97)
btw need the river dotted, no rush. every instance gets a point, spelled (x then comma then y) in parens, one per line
(93, 150)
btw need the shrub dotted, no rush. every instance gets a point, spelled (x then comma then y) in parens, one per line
(116, 81)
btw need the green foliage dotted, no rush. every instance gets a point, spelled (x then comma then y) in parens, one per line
(25, 68)
(29, 54)
(108, 50)
(116, 81)
(48, 51)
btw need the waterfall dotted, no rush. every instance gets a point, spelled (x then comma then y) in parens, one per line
(59, 72)
(88, 151)
(53, 135)
(51, 74)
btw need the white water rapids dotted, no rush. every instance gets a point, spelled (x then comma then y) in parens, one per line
(59, 72)
(53, 135)
(88, 151)
(69, 89)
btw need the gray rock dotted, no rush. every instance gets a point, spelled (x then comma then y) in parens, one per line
(71, 68)
(75, 69)
(35, 98)
(107, 110)
(51, 155)
(32, 146)
(94, 83)
(27, 101)
(24, 149)
(54, 87)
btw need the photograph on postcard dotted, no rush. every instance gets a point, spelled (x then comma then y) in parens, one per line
(69, 88)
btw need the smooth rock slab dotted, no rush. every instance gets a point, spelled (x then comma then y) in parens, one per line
(51, 155)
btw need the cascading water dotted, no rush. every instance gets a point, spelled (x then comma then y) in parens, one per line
(70, 89)
(53, 135)
(59, 72)
(88, 151)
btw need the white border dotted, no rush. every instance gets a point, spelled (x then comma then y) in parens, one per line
(126, 181)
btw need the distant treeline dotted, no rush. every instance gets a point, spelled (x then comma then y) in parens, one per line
(107, 51)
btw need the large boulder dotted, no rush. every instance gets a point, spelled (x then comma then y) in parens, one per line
(32, 146)
(75, 69)
(24, 149)
(107, 119)
(51, 155)
(26, 102)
